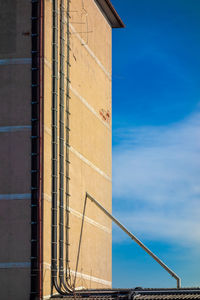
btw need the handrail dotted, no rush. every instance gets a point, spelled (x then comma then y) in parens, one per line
(133, 237)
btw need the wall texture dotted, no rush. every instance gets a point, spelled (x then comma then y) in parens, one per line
(89, 142)
(15, 148)
(88, 146)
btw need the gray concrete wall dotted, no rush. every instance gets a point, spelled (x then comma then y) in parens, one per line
(15, 148)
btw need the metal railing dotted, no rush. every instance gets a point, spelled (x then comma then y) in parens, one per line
(132, 236)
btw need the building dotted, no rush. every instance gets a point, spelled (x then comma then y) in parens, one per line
(55, 145)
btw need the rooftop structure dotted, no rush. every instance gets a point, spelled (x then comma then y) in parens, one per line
(139, 294)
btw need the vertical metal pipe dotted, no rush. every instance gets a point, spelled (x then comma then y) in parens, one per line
(67, 142)
(62, 287)
(65, 285)
(41, 99)
(64, 281)
(54, 143)
(61, 147)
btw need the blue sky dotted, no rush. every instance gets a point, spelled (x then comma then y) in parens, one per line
(156, 141)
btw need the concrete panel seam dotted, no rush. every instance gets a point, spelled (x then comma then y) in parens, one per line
(92, 278)
(14, 128)
(48, 64)
(89, 163)
(80, 215)
(84, 276)
(56, 294)
(83, 100)
(49, 296)
(15, 61)
(90, 52)
(81, 157)
(15, 265)
(47, 197)
(90, 221)
(48, 130)
(14, 196)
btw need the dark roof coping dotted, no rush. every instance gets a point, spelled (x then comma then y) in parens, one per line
(110, 12)
(135, 294)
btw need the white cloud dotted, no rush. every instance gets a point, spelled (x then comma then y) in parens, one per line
(156, 174)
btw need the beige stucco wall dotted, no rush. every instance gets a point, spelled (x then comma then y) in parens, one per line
(90, 143)
(15, 149)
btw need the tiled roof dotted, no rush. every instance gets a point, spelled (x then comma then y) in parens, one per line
(167, 294)
(166, 297)
(136, 294)
(164, 294)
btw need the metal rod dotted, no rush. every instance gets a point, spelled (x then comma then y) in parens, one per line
(41, 99)
(61, 286)
(134, 238)
(80, 240)
(61, 148)
(67, 115)
(54, 269)
(64, 281)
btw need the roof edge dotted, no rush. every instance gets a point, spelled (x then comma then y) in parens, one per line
(111, 14)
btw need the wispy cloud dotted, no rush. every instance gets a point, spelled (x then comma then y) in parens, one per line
(156, 180)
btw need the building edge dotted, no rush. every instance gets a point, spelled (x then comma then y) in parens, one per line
(37, 149)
